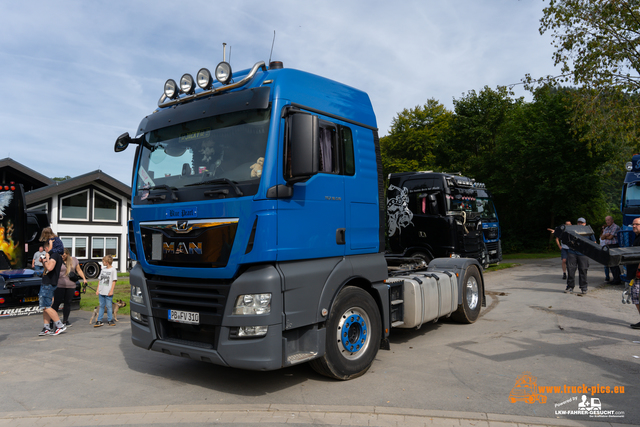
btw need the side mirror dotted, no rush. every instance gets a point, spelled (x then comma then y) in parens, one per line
(122, 142)
(305, 146)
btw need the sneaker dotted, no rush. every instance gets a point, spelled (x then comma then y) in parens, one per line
(564, 276)
(636, 326)
(112, 323)
(45, 332)
(58, 331)
(568, 290)
(67, 324)
(98, 324)
(606, 279)
(583, 292)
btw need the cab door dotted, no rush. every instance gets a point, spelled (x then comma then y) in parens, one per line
(311, 223)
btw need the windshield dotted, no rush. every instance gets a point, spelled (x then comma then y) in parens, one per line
(632, 196)
(486, 209)
(460, 202)
(225, 148)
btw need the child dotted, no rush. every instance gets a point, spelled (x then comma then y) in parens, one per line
(56, 244)
(108, 278)
(52, 263)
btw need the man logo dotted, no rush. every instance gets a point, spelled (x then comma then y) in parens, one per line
(182, 227)
(190, 248)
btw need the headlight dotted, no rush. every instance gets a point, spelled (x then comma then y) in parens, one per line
(629, 166)
(171, 89)
(454, 255)
(223, 72)
(187, 85)
(253, 304)
(252, 331)
(136, 295)
(204, 79)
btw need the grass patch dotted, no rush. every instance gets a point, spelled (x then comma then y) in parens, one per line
(501, 266)
(122, 291)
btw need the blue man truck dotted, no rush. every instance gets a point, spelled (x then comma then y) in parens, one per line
(436, 214)
(258, 226)
(630, 199)
(491, 235)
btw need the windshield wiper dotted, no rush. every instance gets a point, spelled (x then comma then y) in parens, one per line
(233, 184)
(163, 187)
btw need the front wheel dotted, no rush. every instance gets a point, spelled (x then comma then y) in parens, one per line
(469, 310)
(354, 331)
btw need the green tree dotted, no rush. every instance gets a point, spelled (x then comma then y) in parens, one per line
(414, 135)
(477, 122)
(597, 42)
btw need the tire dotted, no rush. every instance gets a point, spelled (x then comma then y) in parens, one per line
(469, 310)
(484, 257)
(91, 270)
(422, 255)
(354, 330)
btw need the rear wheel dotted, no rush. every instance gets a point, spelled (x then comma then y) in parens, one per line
(91, 270)
(353, 336)
(469, 310)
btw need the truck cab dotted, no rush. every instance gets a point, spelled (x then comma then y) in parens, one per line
(258, 227)
(491, 234)
(630, 198)
(432, 215)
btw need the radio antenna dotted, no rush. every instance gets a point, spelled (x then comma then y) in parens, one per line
(272, 43)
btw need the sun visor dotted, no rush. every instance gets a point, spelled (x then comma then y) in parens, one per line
(248, 99)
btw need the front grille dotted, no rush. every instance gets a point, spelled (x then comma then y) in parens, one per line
(205, 296)
(490, 233)
(493, 246)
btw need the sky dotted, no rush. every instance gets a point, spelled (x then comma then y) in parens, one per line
(77, 74)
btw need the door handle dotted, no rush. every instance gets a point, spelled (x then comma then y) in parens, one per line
(340, 236)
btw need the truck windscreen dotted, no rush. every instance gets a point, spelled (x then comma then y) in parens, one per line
(486, 209)
(228, 147)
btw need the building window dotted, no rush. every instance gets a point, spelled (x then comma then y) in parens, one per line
(78, 246)
(44, 207)
(101, 246)
(104, 208)
(75, 206)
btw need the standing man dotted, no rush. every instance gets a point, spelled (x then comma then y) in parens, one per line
(609, 238)
(52, 263)
(36, 262)
(631, 272)
(576, 260)
(563, 249)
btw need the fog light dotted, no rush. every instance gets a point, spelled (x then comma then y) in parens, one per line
(223, 72)
(187, 85)
(252, 331)
(136, 295)
(253, 304)
(204, 79)
(171, 89)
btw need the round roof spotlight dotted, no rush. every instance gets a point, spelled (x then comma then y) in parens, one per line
(223, 72)
(187, 85)
(171, 89)
(204, 79)
(629, 166)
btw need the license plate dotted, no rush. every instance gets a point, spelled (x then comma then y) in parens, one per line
(30, 299)
(184, 317)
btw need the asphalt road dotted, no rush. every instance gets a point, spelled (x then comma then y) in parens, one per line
(529, 325)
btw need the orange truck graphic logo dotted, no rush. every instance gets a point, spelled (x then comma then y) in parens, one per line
(526, 389)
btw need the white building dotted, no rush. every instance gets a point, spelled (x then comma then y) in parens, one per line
(89, 213)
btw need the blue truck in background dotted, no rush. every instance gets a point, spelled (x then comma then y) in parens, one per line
(630, 198)
(491, 234)
(258, 226)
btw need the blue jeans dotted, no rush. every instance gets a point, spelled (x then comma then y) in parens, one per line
(108, 301)
(45, 296)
